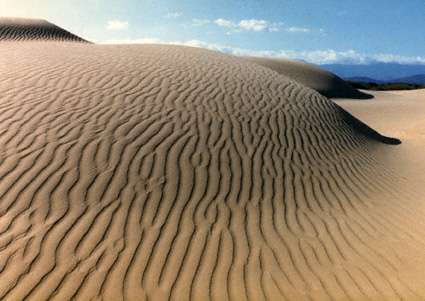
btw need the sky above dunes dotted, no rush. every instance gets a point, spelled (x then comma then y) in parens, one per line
(325, 31)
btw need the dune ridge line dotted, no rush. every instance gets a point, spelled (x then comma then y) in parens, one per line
(157, 172)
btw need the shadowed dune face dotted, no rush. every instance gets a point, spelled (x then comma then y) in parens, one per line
(17, 29)
(160, 172)
(326, 83)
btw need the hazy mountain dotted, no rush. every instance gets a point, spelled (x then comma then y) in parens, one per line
(418, 79)
(364, 79)
(376, 71)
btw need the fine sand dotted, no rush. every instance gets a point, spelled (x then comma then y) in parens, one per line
(324, 82)
(400, 114)
(149, 172)
(19, 29)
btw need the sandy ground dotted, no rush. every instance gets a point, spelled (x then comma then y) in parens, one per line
(326, 83)
(148, 172)
(21, 29)
(398, 114)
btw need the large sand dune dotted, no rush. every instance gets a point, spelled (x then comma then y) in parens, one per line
(398, 113)
(326, 83)
(164, 172)
(19, 29)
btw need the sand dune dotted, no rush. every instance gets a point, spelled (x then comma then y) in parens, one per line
(398, 113)
(18, 29)
(326, 83)
(171, 173)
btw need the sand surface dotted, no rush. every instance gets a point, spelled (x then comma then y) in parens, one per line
(148, 172)
(326, 83)
(19, 29)
(398, 114)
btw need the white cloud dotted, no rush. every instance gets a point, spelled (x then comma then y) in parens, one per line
(117, 25)
(248, 25)
(253, 24)
(328, 56)
(298, 29)
(392, 58)
(173, 15)
(224, 23)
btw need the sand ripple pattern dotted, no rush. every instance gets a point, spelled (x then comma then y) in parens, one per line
(326, 83)
(172, 173)
(16, 29)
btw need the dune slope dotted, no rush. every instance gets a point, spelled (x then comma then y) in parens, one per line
(172, 173)
(326, 83)
(19, 29)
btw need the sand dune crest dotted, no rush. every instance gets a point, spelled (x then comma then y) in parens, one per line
(20, 29)
(326, 83)
(171, 173)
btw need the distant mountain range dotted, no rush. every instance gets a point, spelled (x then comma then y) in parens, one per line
(380, 72)
(418, 79)
(364, 79)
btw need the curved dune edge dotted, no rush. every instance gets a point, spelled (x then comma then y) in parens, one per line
(163, 172)
(326, 83)
(21, 29)
(366, 130)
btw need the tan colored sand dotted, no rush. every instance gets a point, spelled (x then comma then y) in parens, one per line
(174, 173)
(21, 29)
(325, 82)
(399, 114)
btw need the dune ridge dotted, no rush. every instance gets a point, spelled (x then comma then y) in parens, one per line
(21, 29)
(149, 172)
(325, 82)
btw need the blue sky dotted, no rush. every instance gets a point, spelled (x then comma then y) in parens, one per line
(319, 31)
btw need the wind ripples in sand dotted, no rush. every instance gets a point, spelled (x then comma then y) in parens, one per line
(161, 172)
(19, 29)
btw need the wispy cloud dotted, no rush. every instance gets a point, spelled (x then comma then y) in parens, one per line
(224, 23)
(298, 29)
(117, 25)
(173, 15)
(253, 25)
(247, 25)
(327, 56)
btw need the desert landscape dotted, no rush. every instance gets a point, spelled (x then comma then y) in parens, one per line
(164, 172)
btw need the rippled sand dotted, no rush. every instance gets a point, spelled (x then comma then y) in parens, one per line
(148, 172)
